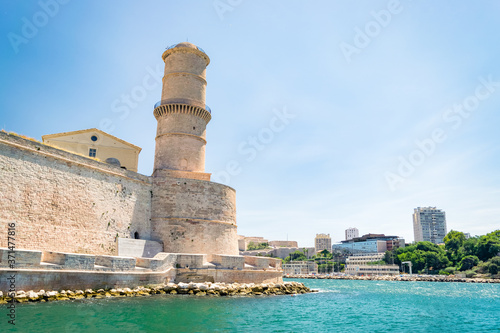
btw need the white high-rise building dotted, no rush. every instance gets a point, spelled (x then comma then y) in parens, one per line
(429, 224)
(351, 233)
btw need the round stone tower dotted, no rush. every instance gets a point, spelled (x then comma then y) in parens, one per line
(182, 114)
(189, 214)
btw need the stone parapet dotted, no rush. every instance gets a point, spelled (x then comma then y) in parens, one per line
(160, 261)
(228, 262)
(21, 258)
(70, 260)
(116, 263)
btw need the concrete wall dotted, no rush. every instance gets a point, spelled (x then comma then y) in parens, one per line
(194, 216)
(68, 203)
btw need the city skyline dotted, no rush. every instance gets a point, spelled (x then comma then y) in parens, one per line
(324, 116)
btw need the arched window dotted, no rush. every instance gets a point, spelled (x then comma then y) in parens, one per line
(136, 235)
(113, 161)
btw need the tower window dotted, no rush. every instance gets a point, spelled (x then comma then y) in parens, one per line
(93, 138)
(136, 235)
(92, 152)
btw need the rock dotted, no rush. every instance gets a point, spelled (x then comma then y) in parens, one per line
(32, 296)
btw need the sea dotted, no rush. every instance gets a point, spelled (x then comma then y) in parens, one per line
(338, 306)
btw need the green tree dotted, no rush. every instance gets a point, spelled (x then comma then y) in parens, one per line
(468, 262)
(297, 256)
(493, 269)
(259, 246)
(488, 246)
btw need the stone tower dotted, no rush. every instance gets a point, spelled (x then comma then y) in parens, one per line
(189, 214)
(182, 114)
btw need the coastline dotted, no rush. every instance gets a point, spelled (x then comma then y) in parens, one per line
(195, 289)
(424, 278)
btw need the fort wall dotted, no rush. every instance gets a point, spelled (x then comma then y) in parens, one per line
(64, 202)
(194, 216)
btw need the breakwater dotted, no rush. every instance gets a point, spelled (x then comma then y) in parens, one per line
(424, 278)
(195, 289)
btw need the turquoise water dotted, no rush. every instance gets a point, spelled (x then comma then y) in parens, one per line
(341, 305)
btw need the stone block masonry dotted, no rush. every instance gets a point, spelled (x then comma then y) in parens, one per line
(69, 260)
(23, 258)
(194, 216)
(68, 203)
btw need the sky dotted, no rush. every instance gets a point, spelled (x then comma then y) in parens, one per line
(325, 115)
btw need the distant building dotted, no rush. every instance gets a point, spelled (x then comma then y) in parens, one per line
(467, 235)
(322, 242)
(351, 233)
(300, 267)
(370, 243)
(98, 144)
(243, 242)
(429, 224)
(283, 243)
(363, 264)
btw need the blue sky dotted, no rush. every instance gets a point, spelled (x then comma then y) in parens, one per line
(325, 115)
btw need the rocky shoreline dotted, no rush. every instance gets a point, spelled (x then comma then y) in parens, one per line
(195, 289)
(427, 278)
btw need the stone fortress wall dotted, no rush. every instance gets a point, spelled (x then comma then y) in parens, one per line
(194, 216)
(60, 201)
(73, 208)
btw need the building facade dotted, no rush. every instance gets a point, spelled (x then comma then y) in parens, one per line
(429, 224)
(300, 267)
(97, 144)
(370, 243)
(368, 246)
(368, 264)
(351, 233)
(322, 242)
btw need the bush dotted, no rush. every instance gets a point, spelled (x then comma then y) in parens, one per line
(470, 274)
(468, 262)
(450, 270)
(482, 268)
(443, 272)
(493, 269)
